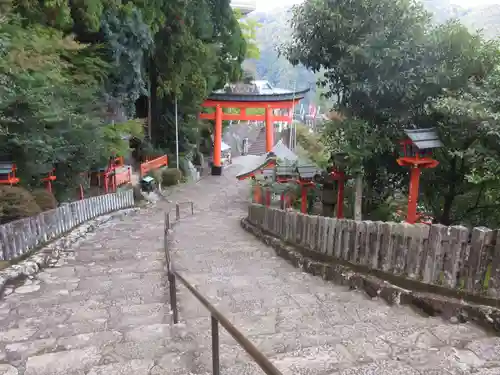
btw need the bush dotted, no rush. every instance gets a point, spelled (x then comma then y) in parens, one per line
(138, 197)
(16, 203)
(171, 176)
(45, 199)
(157, 175)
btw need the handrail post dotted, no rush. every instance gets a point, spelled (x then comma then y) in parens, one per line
(165, 241)
(173, 296)
(192, 208)
(177, 212)
(215, 346)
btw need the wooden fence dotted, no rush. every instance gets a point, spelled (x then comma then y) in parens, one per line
(20, 236)
(453, 257)
(150, 165)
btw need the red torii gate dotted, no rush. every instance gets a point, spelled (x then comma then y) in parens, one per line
(243, 97)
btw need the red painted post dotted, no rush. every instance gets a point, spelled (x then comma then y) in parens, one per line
(282, 201)
(303, 203)
(218, 136)
(106, 182)
(269, 129)
(268, 197)
(412, 216)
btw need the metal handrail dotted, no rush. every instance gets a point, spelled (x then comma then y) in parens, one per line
(216, 316)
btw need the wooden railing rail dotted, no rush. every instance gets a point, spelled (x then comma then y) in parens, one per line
(216, 317)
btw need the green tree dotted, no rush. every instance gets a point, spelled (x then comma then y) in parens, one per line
(48, 109)
(200, 49)
(249, 28)
(390, 69)
(167, 50)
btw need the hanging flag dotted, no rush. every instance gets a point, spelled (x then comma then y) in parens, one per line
(312, 110)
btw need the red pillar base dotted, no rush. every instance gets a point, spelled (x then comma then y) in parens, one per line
(217, 158)
(269, 129)
(268, 197)
(216, 171)
(412, 215)
(303, 200)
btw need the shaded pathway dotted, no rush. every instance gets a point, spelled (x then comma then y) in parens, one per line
(306, 325)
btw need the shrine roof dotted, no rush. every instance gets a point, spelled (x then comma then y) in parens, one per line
(257, 91)
(424, 138)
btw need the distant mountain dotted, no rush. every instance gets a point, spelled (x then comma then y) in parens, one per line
(485, 18)
(275, 30)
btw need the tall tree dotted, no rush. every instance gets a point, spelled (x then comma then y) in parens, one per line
(391, 69)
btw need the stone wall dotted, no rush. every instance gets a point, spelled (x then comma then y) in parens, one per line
(463, 260)
(21, 236)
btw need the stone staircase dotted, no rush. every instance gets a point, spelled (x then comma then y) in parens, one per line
(258, 147)
(236, 132)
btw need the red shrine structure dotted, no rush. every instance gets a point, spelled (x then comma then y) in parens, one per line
(243, 96)
(49, 179)
(416, 155)
(8, 173)
(340, 177)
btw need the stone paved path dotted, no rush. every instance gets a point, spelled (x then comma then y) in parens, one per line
(103, 310)
(305, 325)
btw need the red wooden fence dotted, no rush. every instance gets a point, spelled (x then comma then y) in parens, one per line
(153, 164)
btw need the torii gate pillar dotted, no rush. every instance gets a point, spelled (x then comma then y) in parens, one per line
(217, 160)
(269, 129)
(242, 101)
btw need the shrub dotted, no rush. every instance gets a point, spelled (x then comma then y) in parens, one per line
(45, 199)
(198, 159)
(157, 175)
(16, 203)
(138, 197)
(171, 176)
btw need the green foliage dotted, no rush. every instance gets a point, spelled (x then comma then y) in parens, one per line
(72, 72)
(313, 146)
(157, 174)
(249, 28)
(116, 136)
(396, 71)
(49, 115)
(171, 176)
(206, 36)
(44, 199)
(127, 41)
(16, 203)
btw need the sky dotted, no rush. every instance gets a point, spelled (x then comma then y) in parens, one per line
(264, 5)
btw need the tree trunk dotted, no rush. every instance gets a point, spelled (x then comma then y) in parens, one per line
(358, 197)
(153, 104)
